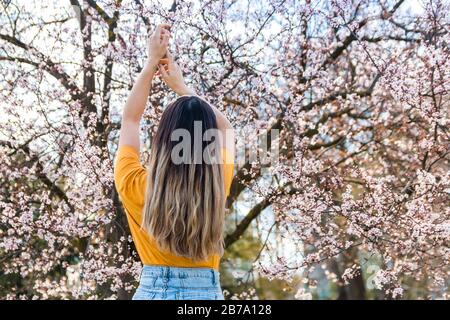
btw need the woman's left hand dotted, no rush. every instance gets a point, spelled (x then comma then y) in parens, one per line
(157, 44)
(172, 75)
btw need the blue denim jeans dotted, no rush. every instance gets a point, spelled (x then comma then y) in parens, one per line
(173, 283)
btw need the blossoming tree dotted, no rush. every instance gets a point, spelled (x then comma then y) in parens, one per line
(356, 90)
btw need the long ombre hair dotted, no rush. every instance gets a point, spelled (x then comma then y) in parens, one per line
(185, 203)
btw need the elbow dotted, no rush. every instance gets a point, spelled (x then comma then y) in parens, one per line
(224, 124)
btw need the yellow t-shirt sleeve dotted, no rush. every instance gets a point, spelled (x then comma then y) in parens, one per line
(130, 178)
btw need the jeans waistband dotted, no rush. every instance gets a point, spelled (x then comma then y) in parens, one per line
(167, 272)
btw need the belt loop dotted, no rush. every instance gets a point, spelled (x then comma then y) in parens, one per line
(213, 277)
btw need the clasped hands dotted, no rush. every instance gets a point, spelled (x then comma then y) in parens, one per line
(159, 58)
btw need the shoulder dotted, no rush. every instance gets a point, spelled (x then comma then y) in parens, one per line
(129, 174)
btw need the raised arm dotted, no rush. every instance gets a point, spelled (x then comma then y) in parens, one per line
(135, 105)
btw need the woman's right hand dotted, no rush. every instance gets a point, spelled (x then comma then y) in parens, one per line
(172, 76)
(157, 44)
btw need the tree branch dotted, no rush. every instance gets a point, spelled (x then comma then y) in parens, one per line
(56, 190)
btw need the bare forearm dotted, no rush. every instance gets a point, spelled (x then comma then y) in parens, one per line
(135, 105)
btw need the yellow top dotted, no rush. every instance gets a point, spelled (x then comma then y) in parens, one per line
(131, 182)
